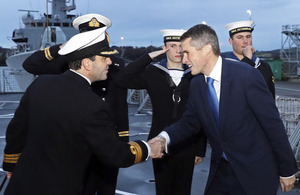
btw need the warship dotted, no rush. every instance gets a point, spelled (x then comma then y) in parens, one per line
(49, 29)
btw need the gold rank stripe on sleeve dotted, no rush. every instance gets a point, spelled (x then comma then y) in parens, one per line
(137, 151)
(123, 133)
(48, 54)
(11, 158)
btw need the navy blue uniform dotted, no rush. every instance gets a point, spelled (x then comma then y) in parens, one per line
(48, 61)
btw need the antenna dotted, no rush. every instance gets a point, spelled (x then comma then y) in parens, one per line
(249, 12)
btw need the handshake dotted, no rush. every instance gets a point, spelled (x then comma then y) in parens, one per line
(157, 145)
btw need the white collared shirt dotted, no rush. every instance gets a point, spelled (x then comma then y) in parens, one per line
(216, 75)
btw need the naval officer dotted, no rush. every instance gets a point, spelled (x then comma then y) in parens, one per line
(100, 178)
(60, 124)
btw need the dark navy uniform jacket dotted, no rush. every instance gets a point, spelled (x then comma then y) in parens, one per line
(48, 61)
(59, 124)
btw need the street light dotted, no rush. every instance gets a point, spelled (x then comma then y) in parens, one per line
(249, 12)
(122, 50)
(122, 39)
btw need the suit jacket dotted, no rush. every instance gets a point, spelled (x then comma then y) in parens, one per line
(59, 124)
(48, 61)
(251, 132)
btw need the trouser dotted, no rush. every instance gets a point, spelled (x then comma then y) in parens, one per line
(173, 175)
(225, 182)
(100, 179)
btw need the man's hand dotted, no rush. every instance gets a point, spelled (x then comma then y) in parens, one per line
(154, 54)
(8, 175)
(287, 184)
(248, 51)
(198, 160)
(157, 146)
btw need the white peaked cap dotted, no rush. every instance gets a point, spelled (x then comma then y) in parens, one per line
(87, 44)
(83, 23)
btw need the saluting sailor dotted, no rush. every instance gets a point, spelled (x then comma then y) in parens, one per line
(60, 124)
(240, 37)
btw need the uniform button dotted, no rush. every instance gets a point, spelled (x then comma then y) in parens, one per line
(103, 89)
(103, 99)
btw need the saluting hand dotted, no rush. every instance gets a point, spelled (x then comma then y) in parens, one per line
(154, 54)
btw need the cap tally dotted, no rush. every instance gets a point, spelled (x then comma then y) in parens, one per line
(172, 34)
(240, 26)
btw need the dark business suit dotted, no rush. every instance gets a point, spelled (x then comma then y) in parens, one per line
(100, 178)
(59, 125)
(251, 132)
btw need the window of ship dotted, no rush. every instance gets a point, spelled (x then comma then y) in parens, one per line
(65, 24)
(39, 24)
(56, 24)
(33, 24)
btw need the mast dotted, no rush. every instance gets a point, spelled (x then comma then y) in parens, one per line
(60, 8)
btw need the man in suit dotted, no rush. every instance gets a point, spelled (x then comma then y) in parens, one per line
(60, 123)
(250, 149)
(240, 37)
(167, 84)
(100, 178)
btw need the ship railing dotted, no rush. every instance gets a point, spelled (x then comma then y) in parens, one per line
(141, 98)
(294, 140)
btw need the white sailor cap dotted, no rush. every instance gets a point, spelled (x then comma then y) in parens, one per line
(87, 44)
(240, 26)
(172, 34)
(89, 22)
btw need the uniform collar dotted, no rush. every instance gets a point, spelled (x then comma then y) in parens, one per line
(88, 80)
